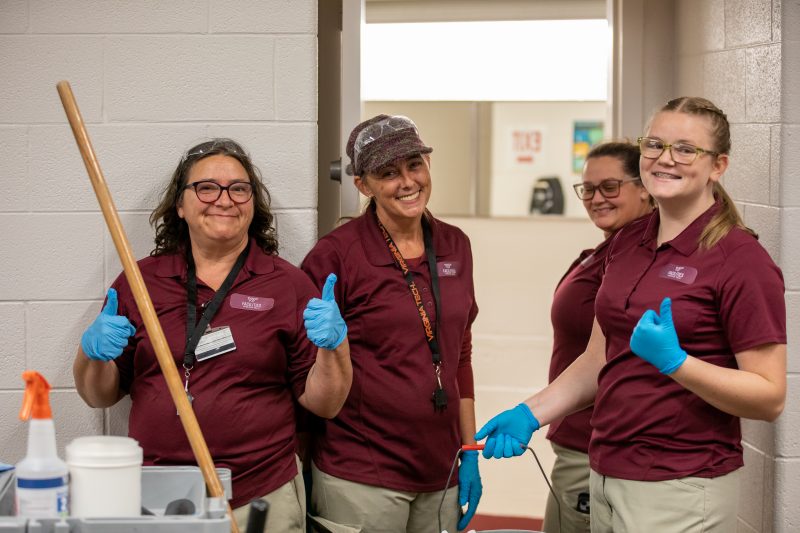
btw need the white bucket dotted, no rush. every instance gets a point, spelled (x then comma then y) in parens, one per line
(105, 477)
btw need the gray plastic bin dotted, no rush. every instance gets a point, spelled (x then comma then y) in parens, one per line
(7, 492)
(12, 524)
(144, 524)
(160, 485)
(163, 484)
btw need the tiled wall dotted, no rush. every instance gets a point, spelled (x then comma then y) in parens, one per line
(745, 56)
(151, 80)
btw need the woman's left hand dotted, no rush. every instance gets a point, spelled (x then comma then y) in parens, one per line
(654, 339)
(324, 324)
(470, 487)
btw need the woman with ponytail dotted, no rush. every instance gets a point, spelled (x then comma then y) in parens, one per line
(689, 337)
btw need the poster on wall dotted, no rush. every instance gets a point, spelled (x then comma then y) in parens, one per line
(585, 135)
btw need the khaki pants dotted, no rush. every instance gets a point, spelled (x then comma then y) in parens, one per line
(570, 478)
(686, 505)
(287, 507)
(370, 509)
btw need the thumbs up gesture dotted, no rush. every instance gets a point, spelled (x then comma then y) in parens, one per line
(654, 339)
(324, 324)
(108, 334)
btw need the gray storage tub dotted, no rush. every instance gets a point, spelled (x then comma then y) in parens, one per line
(160, 485)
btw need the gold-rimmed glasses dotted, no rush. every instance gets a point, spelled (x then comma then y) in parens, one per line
(681, 152)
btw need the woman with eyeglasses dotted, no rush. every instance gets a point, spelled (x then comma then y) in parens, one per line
(613, 196)
(406, 292)
(233, 315)
(689, 337)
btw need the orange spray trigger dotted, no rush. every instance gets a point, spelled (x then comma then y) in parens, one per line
(36, 400)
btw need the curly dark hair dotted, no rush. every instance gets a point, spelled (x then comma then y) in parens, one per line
(172, 232)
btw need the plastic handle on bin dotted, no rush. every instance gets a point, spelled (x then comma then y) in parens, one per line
(257, 520)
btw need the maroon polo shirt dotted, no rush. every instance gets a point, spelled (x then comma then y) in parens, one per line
(572, 316)
(388, 433)
(724, 300)
(243, 399)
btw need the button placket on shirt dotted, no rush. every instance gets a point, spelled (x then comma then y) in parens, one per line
(641, 274)
(427, 297)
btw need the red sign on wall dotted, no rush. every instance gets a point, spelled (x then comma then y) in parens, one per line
(526, 145)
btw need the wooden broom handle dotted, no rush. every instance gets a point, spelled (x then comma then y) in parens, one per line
(143, 301)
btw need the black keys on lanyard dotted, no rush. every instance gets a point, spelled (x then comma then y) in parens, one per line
(439, 397)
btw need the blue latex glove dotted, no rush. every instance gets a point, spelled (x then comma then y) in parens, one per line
(654, 340)
(470, 487)
(509, 432)
(108, 334)
(324, 324)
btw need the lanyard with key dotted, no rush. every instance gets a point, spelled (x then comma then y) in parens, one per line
(439, 397)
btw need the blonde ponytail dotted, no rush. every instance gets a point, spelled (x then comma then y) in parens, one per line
(721, 223)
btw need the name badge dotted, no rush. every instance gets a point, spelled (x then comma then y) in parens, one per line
(251, 303)
(448, 269)
(214, 342)
(683, 274)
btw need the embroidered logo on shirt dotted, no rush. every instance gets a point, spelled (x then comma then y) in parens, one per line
(448, 269)
(684, 274)
(251, 303)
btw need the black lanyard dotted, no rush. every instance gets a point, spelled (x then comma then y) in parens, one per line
(439, 395)
(195, 331)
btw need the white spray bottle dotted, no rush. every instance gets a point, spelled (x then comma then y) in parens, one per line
(42, 478)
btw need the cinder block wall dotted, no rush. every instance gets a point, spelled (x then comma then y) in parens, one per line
(745, 56)
(151, 80)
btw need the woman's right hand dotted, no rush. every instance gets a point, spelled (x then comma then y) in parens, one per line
(105, 339)
(509, 432)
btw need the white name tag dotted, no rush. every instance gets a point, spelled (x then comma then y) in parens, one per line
(213, 343)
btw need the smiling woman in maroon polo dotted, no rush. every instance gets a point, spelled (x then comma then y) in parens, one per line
(406, 293)
(613, 196)
(233, 315)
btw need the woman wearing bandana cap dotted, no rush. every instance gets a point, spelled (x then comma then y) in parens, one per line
(405, 290)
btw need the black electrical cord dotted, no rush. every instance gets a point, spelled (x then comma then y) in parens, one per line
(453, 468)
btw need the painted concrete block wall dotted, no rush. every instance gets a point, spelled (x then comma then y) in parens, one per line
(151, 79)
(738, 54)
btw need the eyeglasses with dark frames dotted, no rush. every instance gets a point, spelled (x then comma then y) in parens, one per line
(682, 153)
(609, 188)
(209, 191)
